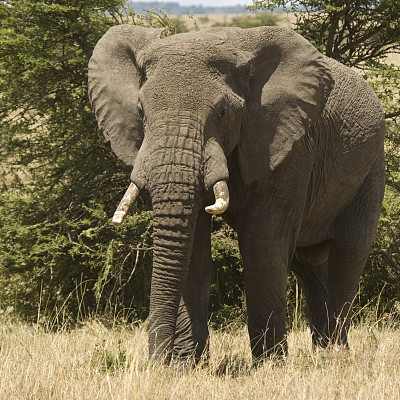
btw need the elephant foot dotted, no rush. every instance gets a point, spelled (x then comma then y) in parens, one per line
(185, 362)
(277, 352)
(337, 337)
(192, 356)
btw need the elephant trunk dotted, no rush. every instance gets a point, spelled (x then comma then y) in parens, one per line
(173, 234)
(171, 170)
(173, 163)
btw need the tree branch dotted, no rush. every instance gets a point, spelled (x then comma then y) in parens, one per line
(388, 256)
(392, 115)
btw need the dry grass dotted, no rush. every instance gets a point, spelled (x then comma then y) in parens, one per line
(203, 21)
(95, 362)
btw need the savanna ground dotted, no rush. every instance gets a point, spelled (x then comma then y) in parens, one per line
(98, 362)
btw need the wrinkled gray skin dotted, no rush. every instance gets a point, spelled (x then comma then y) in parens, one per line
(298, 137)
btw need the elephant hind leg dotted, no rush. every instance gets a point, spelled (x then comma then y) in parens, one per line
(353, 232)
(344, 270)
(329, 287)
(310, 265)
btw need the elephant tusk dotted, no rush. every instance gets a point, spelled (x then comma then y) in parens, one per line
(221, 204)
(129, 198)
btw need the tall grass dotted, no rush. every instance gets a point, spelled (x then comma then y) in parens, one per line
(98, 362)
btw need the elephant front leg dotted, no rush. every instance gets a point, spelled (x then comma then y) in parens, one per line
(191, 336)
(265, 284)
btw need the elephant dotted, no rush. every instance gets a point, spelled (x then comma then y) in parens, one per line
(285, 143)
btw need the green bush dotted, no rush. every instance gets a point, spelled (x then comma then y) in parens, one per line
(59, 253)
(227, 289)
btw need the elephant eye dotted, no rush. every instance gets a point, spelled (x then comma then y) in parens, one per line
(223, 110)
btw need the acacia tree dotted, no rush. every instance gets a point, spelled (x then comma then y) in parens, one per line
(350, 31)
(59, 179)
(362, 34)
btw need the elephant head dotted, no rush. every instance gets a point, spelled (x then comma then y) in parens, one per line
(176, 108)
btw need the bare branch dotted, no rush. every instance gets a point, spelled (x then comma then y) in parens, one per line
(392, 115)
(388, 256)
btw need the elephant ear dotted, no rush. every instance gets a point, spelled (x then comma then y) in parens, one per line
(289, 83)
(114, 81)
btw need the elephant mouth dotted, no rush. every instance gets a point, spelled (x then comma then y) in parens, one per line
(221, 204)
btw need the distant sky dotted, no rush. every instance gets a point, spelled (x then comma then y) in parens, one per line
(208, 3)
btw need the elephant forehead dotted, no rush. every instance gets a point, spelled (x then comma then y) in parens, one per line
(180, 88)
(188, 46)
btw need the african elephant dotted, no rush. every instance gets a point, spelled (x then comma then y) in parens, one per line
(290, 140)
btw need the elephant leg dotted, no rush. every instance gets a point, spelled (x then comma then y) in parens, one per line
(267, 231)
(265, 284)
(191, 336)
(329, 288)
(344, 271)
(353, 233)
(310, 266)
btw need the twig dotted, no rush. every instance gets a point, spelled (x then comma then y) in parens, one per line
(388, 255)
(142, 248)
(80, 244)
(133, 270)
(392, 115)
